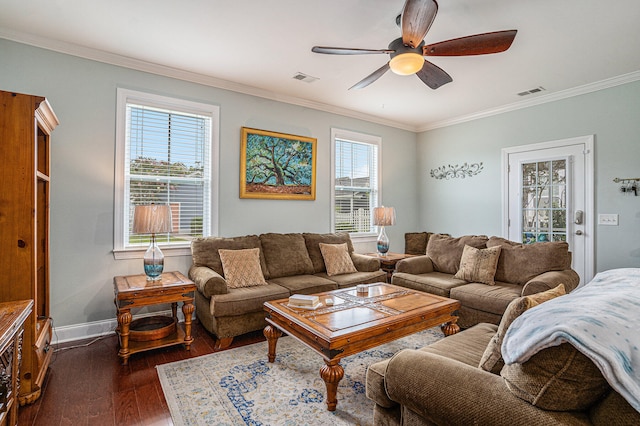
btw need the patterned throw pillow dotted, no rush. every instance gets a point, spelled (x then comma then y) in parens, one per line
(478, 265)
(492, 358)
(336, 259)
(242, 267)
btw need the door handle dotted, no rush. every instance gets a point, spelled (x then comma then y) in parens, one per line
(578, 232)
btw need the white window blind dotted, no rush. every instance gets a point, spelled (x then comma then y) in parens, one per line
(167, 159)
(355, 183)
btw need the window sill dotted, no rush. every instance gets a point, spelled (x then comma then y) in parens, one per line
(138, 252)
(364, 237)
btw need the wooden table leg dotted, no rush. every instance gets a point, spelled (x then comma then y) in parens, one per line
(272, 334)
(174, 311)
(187, 310)
(124, 319)
(450, 327)
(332, 373)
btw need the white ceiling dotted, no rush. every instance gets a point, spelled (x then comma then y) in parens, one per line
(565, 46)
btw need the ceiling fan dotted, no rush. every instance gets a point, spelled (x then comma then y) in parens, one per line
(408, 52)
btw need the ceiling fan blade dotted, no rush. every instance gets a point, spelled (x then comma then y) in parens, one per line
(433, 76)
(347, 51)
(371, 77)
(417, 17)
(479, 44)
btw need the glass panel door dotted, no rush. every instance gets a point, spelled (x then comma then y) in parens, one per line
(544, 201)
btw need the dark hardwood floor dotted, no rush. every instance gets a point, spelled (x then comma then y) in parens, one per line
(89, 385)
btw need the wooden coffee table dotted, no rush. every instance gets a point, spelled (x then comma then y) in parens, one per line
(357, 322)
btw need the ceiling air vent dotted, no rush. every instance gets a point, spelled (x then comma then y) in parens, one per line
(304, 77)
(532, 91)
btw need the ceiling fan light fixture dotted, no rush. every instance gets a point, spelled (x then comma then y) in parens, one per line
(406, 63)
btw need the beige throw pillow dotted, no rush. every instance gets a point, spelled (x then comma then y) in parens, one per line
(242, 267)
(336, 259)
(492, 358)
(478, 265)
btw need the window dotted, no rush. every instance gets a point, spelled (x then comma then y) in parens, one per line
(356, 171)
(166, 154)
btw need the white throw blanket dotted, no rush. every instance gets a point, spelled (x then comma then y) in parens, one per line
(601, 319)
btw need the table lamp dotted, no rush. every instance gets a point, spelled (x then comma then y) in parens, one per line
(152, 219)
(383, 216)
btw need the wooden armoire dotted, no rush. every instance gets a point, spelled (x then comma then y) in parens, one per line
(26, 123)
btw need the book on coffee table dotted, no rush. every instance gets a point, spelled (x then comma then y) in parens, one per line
(304, 301)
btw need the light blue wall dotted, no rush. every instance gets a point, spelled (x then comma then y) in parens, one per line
(83, 95)
(473, 205)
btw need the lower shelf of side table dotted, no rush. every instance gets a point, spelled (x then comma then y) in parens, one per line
(172, 339)
(151, 328)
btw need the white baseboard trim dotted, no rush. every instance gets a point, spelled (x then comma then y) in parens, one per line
(88, 330)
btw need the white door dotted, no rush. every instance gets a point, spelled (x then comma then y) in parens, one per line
(549, 197)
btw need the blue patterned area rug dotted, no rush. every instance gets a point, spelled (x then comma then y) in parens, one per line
(239, 386)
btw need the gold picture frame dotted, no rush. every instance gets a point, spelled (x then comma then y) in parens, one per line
(277, 166)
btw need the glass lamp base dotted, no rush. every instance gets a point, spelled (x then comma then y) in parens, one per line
(383, 243)
(153, 262)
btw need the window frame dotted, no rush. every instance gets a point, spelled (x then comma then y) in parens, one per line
(363, 138)
(124, 97)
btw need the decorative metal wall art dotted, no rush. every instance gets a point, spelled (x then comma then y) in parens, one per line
(457, 171)
(629, 185)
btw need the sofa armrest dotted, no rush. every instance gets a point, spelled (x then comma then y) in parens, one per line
(365, 263)
(415, 265)
(551, 279)
(208, 281)
(444, 391)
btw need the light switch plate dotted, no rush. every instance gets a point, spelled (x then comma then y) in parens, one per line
(610, 219)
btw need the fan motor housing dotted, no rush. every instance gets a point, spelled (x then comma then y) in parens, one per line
(399, 48)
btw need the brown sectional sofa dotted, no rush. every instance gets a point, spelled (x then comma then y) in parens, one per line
(291, 264)
(441, 384)
(522, 269)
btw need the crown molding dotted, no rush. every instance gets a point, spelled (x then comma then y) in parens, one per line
(551, 97)
(162, 70)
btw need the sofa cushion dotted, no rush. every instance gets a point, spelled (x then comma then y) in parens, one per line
(204, 251)
(350, 280)
(492, 357)
(416, 242)
(286, 255)
(437, 283)
(312, 241)
(519, 263)
(305, 284)
(244, 300)
(445, 252)
(558, 378)
(467, 346)
(478, 265)
(242, 267)
(336, 259)
(493, 299)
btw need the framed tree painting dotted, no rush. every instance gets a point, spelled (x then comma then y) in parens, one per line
(277, 166)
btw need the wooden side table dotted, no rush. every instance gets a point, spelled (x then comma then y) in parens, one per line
(12, 318)
(388, 262)
(134, 291)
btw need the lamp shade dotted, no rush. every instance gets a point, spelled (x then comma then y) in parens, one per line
(152, 219)
(384, 216)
